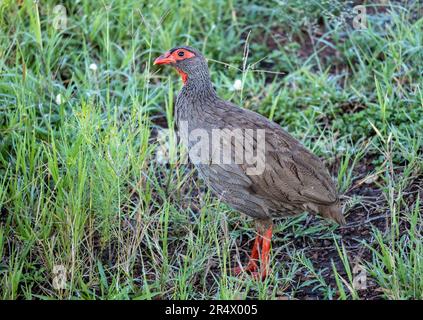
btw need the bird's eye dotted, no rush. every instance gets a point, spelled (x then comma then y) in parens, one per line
(181, 53)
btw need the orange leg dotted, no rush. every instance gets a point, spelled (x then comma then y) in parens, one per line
(265, 255)
(264, 242)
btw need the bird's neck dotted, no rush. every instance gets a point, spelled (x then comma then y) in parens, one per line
(198, 87)
(197, 83)
(196, 96)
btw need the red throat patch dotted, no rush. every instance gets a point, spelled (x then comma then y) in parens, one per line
(184, 76)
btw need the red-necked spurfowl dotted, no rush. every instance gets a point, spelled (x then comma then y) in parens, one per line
(273, 175)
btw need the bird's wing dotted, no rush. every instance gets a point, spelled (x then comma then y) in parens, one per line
(292, 174)
(295, 175)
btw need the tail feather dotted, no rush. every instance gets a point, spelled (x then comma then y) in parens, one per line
(333, 212)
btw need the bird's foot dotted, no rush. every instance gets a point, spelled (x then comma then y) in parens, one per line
(253, 271)
(261, 250)
(259, 275)
(251, 267)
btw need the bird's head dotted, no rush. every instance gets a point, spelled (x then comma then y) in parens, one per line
(189, 62)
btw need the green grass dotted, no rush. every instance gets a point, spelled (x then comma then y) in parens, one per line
(81, 187)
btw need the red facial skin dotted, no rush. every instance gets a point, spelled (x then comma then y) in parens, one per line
(171, 58)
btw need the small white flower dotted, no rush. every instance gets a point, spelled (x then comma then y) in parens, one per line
(237, 86)
(93, 67)
(59, 99)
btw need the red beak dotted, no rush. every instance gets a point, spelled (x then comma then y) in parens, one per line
(165, 58)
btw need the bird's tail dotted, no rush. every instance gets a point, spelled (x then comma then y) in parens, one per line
(333, 212)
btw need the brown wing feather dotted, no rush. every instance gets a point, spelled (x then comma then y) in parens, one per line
(292, 174)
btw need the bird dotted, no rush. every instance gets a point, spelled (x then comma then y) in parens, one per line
(291, 180)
